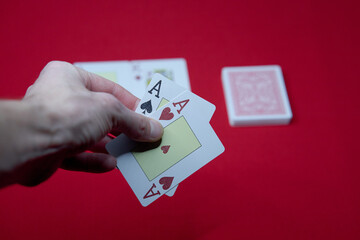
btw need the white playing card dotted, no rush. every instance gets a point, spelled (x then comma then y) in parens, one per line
(188, 143)
(159, 92)
(171, 192)
(116, 71)
(136, 75)
(121, 145)
(174, 69)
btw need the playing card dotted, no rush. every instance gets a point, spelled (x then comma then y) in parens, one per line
(188, 143)
(159, 92)
(256, 96)
(136, 75)
(174, 69)
(172, 191)
(121, 145)
(115, 71)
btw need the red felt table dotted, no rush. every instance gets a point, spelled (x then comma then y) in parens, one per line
(299, 181)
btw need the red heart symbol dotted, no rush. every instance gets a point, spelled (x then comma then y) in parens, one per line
(165, 148)
(166, 182)
(166, 114)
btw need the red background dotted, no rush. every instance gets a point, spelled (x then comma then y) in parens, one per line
(291, 182)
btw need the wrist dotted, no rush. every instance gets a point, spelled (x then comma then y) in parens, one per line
(28, 131)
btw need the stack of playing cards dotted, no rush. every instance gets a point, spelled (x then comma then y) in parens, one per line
(188, 143)
(136, 75)
(256, 96)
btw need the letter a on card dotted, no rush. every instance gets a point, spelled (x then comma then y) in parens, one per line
(151, 193)
(182, 104)
(156, 88)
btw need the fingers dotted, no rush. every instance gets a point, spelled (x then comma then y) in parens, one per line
(137, 126)
(133, 125)
(110, 104)
(97, 83)
(34, 172)
(90, 162)
(100, 146)
(117, 117)
(143, 129)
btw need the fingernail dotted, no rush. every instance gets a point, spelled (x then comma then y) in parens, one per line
(157, 130)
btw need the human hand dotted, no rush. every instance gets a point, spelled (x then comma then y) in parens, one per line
(72, 111)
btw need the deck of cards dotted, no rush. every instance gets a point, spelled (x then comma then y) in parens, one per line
(256, 95)
(188, 143)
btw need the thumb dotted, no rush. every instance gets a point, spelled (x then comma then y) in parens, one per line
(134, 125)
(141, 128)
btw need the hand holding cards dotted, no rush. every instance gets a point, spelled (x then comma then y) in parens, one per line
(188, 143)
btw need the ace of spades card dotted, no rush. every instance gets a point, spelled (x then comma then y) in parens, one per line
(188, 143)
(159, 92)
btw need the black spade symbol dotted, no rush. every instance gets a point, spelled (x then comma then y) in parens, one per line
(146, 106)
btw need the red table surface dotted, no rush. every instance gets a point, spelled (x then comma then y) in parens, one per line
(299, 181)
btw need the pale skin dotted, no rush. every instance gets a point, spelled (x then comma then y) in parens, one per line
(64, 113)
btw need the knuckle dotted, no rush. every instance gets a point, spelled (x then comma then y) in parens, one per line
(56, 64)
(29, 88)
(28, 91)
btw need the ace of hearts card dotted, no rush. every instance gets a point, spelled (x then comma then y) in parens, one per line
(188, 143)
(159, 92)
